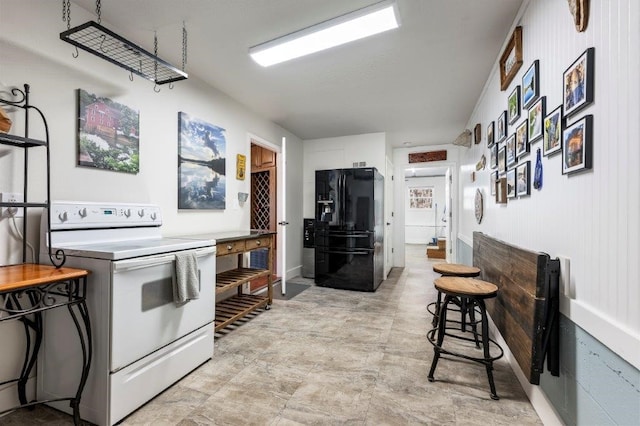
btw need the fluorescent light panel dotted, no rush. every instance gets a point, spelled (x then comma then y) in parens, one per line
(361, 23)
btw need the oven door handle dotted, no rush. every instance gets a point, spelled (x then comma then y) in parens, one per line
(146, 262)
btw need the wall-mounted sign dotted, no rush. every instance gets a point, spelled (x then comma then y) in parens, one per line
(241, 165)
(425, 157)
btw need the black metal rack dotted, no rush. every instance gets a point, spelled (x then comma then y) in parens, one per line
(100, 41)
(21, 101)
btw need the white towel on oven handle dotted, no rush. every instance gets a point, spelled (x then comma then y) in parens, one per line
(186, 285)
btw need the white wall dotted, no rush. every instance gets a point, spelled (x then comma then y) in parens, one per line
(593, 217)
(32, 53)
(339, 153)
(420, 224)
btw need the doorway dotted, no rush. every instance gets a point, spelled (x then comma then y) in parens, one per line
(263, 206)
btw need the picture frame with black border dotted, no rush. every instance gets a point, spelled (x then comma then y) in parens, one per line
(502, 159)
(578, 83)
(552, 132)
(501, 127)
(493, 157)
(490, 135)
(522, 141)
(501, 190)
(577, 146)
(530, 85)
(523, 179)
(513, 105)
(511, 183)
(536, 117)
(493, 181)
(512, 158)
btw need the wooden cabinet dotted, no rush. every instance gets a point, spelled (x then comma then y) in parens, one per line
(262, 158)
(237, 306)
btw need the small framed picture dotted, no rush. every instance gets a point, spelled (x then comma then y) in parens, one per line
(501, 190)
(536, 116)
(552, 140)
(490, 139)
(523, 179)
(502, 159)
(493, 182)
(501, 131)
(530, 85)
(511, 150)
(576, 146)
(477, 133)
(513, 111)
(511, 183)
(522, 141)
(577, 82)
(493, 157)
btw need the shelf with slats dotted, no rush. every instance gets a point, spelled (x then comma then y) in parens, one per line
(6, 139)
(230, 310)
(236, 277)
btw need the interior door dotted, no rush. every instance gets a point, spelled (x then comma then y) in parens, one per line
(388, 218)
(446, 217)
(282, 228)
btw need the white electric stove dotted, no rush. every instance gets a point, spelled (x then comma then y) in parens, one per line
(142, 341)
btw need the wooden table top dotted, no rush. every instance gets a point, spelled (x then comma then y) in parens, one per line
(465, 286)
(16, 277)
(456, 269)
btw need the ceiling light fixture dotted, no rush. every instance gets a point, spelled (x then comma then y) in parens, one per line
(374, 19)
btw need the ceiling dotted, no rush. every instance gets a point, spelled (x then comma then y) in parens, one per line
(418, 83)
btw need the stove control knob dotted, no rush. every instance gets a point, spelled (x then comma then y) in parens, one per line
(82, 212)
(153, 216)
(63, 216)
(141, 212)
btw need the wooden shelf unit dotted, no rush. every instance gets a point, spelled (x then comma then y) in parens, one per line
(241, 304)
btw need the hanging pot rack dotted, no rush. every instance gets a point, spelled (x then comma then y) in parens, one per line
(104, 43)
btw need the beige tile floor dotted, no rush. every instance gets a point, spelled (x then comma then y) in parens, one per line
(330, 357)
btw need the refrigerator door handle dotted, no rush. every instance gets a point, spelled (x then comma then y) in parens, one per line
(347, 252)
(348, 236)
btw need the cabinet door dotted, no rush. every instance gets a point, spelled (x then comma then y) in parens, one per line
(262, 158)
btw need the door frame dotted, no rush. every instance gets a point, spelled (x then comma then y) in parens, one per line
(280, 188)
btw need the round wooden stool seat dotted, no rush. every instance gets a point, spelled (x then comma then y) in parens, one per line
(465, 287)
(456, 269)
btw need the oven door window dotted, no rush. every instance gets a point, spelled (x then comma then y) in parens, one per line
(144, 317)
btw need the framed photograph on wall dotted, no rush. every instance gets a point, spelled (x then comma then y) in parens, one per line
(490, 135)
(511, 150)
(477, 133)
(493, 181)
(493, 157)
(536, 117)
(577, 146)
(511, 183)
(502, 159)
(577, 83)
(552, 138)
(501, 127)
(201, 164)
(530, 85)
(513, 105)
(522, 141)
(523, 179)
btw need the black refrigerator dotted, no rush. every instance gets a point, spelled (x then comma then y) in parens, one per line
(349, 229)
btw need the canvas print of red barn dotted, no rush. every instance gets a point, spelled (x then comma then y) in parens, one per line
(108, 134)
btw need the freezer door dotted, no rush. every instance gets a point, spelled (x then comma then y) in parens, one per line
(345, 269)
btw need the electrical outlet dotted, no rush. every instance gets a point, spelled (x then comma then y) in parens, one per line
(11, 197)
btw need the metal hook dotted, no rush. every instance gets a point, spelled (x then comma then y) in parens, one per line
(131, 75)
(75, 55)
(170, 86)
(155, 86)
(103, 37)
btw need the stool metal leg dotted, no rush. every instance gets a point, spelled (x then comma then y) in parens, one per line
(442, 324)
(485, 343)
(436, 315)
(472, 319)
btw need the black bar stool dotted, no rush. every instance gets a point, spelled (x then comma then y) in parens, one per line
(474, 292)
